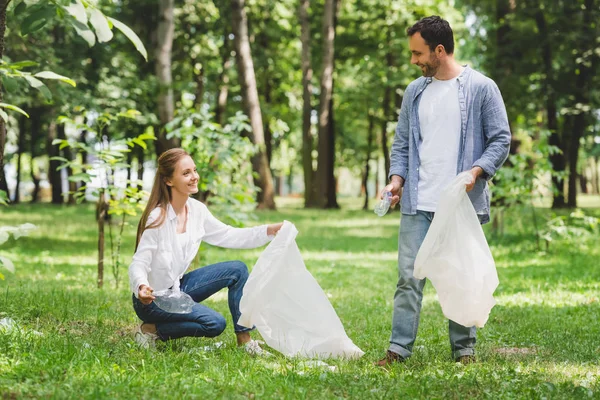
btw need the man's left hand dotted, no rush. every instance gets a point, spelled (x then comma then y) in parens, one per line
(476, 172)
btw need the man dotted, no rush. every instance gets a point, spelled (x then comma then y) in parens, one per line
(452, 119)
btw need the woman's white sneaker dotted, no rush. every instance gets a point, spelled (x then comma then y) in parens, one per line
(253, 348)
(145, 340)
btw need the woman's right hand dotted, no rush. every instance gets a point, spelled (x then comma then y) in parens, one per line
(145, 294)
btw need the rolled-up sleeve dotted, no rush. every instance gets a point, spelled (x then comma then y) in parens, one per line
(142, 260)
(219, 234)
(496, 132)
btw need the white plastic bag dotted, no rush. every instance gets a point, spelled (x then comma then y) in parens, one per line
(288, 307)
(457, 260)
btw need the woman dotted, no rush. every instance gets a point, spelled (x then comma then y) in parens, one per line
(169, 234)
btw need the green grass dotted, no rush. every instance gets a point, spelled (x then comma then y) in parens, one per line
(542, 339)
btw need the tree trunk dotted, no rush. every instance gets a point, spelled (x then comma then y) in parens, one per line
(199, 78)
(54, 175)
(20, 151)
(264, 180)
(140, 167)
(557, 159)
(101, 209)
(3, 183)
(365, 183)
(60, 129)
(307, 141)
(326, 139)
(164, 45)
(582, 96)
(223, 80)
(33, 138)
(387, 99)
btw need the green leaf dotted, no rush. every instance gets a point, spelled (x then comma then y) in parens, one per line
(131, 36)
(9, 83)
(20, 8)
(100, 24)
(77, 11)
(22, 64)
(4, 116)
(80, 177)
(39, 85)
(140, 143)
(14, 108)
(53, 75)
(83, 31)
(37, 20)
(59, 159)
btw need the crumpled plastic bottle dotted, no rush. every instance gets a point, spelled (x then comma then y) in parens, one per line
(174, 301)
(384, 204)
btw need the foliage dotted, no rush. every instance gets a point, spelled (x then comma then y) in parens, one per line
(222, 157)
(574, 229)
(108, 157)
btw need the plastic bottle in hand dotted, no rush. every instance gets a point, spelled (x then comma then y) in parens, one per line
(384, 204)
(174, 301)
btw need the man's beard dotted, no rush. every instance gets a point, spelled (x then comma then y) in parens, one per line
(431, 68)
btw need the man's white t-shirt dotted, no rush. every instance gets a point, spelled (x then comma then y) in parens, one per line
(439, 119)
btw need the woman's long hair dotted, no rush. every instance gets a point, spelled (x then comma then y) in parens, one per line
(160, 196)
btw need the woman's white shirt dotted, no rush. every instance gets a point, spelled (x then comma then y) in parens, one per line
(160, 261)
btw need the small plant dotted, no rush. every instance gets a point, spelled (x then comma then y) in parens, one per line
(98, 176)
(573, 229)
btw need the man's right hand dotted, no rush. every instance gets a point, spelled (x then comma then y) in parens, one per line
(395, 187)
(145, 294)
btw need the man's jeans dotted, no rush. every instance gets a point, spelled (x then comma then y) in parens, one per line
(202, 321)
(409, 293)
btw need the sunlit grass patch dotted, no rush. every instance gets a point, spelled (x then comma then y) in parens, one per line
(541, 340)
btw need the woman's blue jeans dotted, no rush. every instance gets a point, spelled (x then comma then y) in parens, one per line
(200, 284)
(409, 293)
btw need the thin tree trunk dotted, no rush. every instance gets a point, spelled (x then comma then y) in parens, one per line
(307, 141)
(129, 166)
(69, 156)
(20, 151)
(101, 209)
(166, 29)
(199, 78)
(557, 159)
(264, 180)
(331, 201)
(33, 138)
(387, 100)
(223, 80)
(582, 96)
(140, 166)
(326, 141)
(54, 175)
(3, 183)
(365, 183)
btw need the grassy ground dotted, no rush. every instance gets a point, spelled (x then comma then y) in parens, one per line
(542, 339)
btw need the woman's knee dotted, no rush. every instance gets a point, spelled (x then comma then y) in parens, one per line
(216, 326)
(240, 268)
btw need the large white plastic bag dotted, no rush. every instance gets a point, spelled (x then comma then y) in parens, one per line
(456, 258)
(288, 307)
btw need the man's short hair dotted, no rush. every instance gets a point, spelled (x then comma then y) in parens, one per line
(435, 31)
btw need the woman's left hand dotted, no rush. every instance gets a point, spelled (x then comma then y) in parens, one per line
(272, 229)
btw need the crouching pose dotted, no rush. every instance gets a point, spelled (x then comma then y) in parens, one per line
(169, 234)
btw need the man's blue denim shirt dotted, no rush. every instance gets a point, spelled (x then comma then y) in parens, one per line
(484, 142)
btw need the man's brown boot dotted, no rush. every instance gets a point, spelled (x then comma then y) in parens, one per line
(389, 359)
